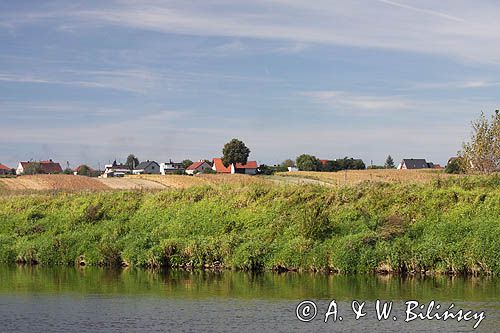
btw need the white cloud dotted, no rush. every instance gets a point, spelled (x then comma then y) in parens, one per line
(343, 101)
(458, 29)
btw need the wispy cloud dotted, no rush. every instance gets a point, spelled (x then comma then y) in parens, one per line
(124, 80)
(343, 101)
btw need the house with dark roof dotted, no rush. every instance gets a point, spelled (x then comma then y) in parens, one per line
(5, 170)
(198, 167)
(171, 167)
(414, 163)
(46, 167)
(250, 168)
(148, 167)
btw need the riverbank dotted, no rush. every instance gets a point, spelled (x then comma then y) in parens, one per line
(448, 226)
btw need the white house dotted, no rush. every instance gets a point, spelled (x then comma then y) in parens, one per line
(171, 167)
(148, 167)
(198, 167)
(115, 170)
(292, 169)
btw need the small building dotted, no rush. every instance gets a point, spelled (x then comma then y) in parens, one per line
(292, 169)
(116, 170)
(198, 167)
(5, 170)
(46, 167)
(414, 163)
(171, 167)
(148, 167)
(250, 168)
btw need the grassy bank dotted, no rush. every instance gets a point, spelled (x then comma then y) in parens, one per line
(448, 226)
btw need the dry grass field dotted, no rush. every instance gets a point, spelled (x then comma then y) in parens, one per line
(34, 183)
(27, 184)
(180, 181)
(357, 176)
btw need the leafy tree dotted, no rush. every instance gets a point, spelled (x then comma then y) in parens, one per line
(287, 163)
(455, 166)
(84, 170)
(482, 153)
(330, 166)
(389, 163)
(186, 163)
(33, 168)
(68, 171)
(132, 161)
(308, 163)
(235, 151)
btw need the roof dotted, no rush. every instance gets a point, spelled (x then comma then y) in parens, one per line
(415, 163)
(249, 165)
(46, 166)
(196, 165)
(324, 162)
(4, 167)
(144, 165)
(220, 167)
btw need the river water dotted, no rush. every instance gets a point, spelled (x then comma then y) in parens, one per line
(37, 299)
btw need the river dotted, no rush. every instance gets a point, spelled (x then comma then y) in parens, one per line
(61, 299)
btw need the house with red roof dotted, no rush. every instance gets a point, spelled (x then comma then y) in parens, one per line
(5, 170)
(250, 168)
(47, 167)
(198, 167)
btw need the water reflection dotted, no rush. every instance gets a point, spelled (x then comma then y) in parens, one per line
(227, 284)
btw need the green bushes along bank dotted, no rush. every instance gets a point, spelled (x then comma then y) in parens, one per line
(444, 227)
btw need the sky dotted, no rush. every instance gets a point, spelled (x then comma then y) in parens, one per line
(92, 81)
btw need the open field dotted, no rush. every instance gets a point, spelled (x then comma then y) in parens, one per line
(71, 183)
(451, 226)
(384, 175)
(181, 181)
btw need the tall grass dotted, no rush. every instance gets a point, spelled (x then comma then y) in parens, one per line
(448, 226)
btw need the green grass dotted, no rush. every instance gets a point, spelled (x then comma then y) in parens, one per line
(449, 226)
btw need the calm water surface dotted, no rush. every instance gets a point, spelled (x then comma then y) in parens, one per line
(36, 299)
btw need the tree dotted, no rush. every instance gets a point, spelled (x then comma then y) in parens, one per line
(389, 163)
(235, 151)
(84, 170)
(455, 166)
(186, 163)
(287, 163)
(33, 168)
(308, 163)
(132, 161)
(482, 153)
(68, 171)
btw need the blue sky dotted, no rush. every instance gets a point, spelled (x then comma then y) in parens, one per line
(92, 81)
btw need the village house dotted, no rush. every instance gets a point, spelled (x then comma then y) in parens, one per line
(148, 167)
(116, 170)
(5, 170)
(250, 168)
(47, 167)
(198, 167)
(171, 167)
(417, 163)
